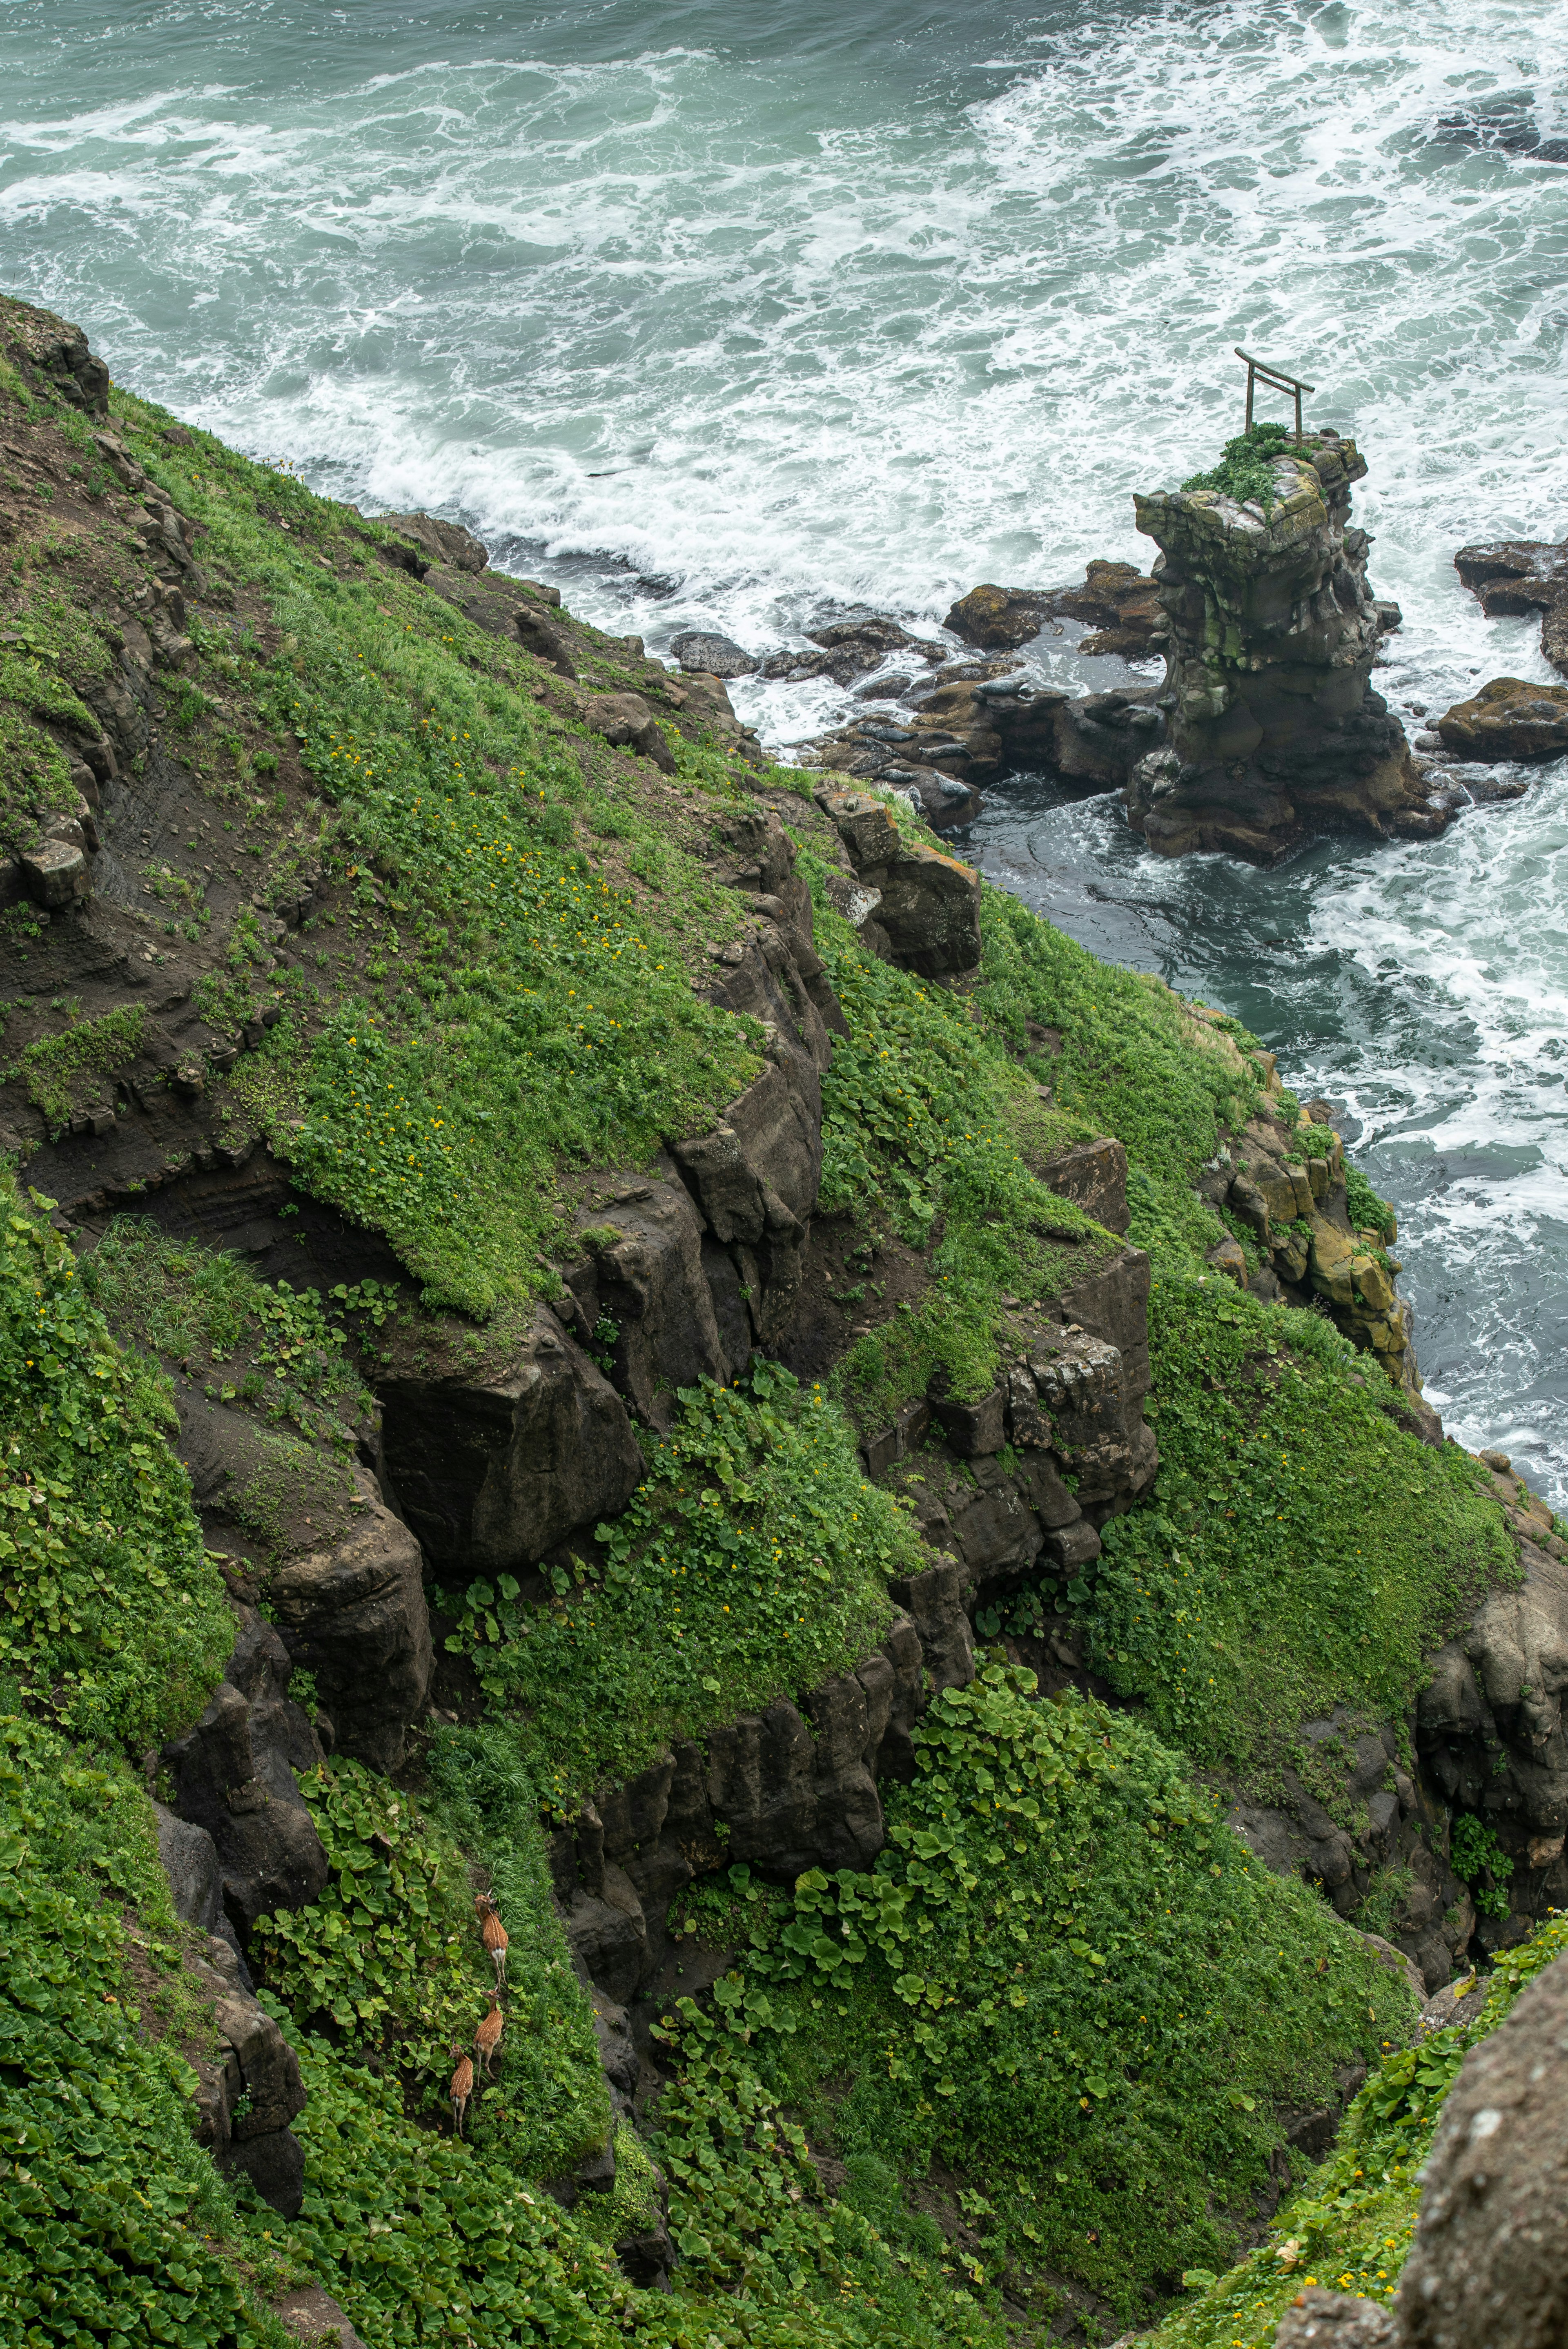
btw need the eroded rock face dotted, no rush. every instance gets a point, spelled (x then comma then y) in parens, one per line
(491, 1475)
(928, 904)
(54, 354)
(234, 1776)
(354, 1616)
(1489, 2263)
(1491, 1722)
(793, 1787)
(1523, 575)
(1509, 719)
(1274, 732)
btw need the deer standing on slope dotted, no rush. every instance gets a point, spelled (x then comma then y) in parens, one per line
(486, 2038)
(463, 2088)
(492, 1933)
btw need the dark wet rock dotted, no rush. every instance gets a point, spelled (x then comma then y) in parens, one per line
(233, 1775)
(1118, 602)
(712, 654)
(438, 542)
(1489, 2261)
(1509, 577)
(845, 650)
(1273, 730)
(1509, 719)
(495, 1469)
(353, 1615)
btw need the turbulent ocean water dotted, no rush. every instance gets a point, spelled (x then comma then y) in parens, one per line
(732, 316)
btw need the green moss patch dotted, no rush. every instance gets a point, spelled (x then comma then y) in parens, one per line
(1067, 1980)
(111, 1607)
(752, 1563)
(1300, 1550)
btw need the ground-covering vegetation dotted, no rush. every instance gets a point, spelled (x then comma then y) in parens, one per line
(494, 1002)
(1245, 469)
(754, 1561)
(113, 2224)
(1064, 1980)
(1302, 1550)
(1351, 2224)
(1066, 1991)
(113, 1613)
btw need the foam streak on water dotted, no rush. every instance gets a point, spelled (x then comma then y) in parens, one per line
(723, 316)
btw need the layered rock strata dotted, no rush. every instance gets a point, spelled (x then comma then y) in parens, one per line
(1275, 731)
(1509, 577)
(796, 1786)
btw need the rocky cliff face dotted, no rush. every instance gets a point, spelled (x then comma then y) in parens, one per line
(1275, 731)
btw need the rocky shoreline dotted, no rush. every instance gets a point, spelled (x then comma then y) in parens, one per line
(508, 1448)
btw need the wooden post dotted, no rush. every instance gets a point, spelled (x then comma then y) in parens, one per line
(1259, 371)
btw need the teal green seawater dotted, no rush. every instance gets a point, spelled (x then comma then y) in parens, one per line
(732, 316)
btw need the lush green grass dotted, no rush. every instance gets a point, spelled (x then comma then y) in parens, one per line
(929, 1127)
(114, 2226)
(1067, 1979)
(1245, 470)
(753, 1562)
(1300, 1551)
(1351, 2225)
(113, 1613)
(492, 1003)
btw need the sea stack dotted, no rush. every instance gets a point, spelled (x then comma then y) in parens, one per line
(1273, 730)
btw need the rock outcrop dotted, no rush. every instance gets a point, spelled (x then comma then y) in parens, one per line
(247, 2096)
(1508, 720)
(1490, 1723)
(1292, 1199)
(494, 1469)
(1120, 606)
(234, 1776)
(926, 905)
(1275, 731)
(53, 355)
(795, 1787)
(1489, 2263)
(710, 655)
(1510, 577)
